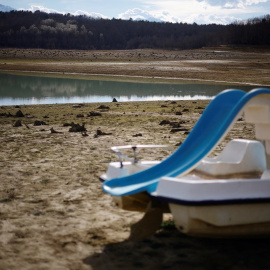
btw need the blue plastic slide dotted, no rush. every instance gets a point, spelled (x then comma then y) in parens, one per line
(210, 129)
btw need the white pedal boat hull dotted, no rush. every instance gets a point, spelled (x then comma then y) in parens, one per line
(218, 208)
(222, 221)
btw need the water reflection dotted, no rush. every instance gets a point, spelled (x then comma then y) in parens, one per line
(15, 90)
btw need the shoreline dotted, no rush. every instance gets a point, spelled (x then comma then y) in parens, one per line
(124, 78)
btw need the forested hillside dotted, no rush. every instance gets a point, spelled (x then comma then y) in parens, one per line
(24, 29)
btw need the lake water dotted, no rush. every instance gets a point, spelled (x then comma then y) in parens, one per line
(19, 90)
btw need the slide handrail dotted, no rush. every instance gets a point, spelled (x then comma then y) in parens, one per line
(213, 125)
(120, 155)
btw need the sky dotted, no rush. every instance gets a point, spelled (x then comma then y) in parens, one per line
(189, 11)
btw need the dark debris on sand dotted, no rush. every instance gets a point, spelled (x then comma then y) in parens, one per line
(101, 133)
(77, 128)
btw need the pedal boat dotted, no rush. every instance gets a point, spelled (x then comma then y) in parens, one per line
(224, 196)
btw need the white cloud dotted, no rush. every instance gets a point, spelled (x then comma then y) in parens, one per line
(201, 15)
(159, 15)
(233, 3)
(43, 9)
(92, 14)
(209, 19)
(76, 13)
(207, 11)
(176, 7)
(135, 14)
(139, 14)
(164, 16)
(189, 11)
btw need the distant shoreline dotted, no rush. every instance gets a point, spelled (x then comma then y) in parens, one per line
(214, 65)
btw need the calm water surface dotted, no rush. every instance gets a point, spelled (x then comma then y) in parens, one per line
(19, 90)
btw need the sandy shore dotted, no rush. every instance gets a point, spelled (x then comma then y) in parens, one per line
(53, 212)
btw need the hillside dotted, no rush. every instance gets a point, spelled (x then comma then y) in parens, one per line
(24, 29)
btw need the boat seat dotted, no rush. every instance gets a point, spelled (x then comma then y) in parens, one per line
(239, 156)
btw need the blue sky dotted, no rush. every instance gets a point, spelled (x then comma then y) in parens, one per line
(199, 11)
